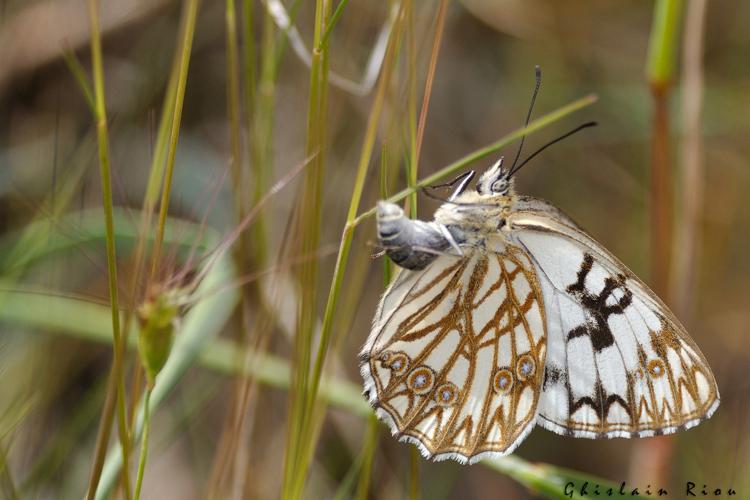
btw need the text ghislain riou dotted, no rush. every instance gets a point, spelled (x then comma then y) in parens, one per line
(691, 490)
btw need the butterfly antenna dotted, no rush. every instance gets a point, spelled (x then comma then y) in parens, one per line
(550, 143)
(538, 72)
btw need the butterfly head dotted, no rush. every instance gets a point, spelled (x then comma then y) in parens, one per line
(496, 181)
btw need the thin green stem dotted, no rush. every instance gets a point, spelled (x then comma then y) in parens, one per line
(309, 211)
(664, 41)
(346, 238)
(371, 441)
(413, 473)
(462, 163)
(144, 443)
(692, 181)
(662, 57)
(150, 199)
(411, 180)
(387, 263)
(439, 27)
(249, 59)
(227, 450)
(283, 39)
(260, 123)
(7, 487)
(332, 23)
(117, 382)
(186, 47)
(411, 55)
(76, 68)
(233, 96)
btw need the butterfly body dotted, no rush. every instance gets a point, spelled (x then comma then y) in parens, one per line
(507, 315)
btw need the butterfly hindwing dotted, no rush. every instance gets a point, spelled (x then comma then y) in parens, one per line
(455, 359)
(619, 364)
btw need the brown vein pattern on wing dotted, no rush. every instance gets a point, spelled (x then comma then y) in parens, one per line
(508, 315)
(512, 426)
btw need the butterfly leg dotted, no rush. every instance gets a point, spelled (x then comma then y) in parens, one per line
(413, 244)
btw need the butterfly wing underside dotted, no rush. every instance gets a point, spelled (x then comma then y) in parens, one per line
(619, 364)
(454, 362)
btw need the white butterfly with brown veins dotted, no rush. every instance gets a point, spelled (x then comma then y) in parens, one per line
(505, 315)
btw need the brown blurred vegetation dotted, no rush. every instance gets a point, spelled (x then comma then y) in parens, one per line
(53, 384)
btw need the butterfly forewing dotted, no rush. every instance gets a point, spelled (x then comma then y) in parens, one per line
(455, 360)
(619, 363)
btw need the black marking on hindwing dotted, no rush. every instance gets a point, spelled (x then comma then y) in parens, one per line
(552, 374)
(600, 402)
(596, 306)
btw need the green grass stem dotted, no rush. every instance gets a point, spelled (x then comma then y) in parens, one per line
(660, 67)
(663, 49)
(249, 60)
(116, 392)
(79, 73)
(479, 154)
(7, 487)
(144, 445)
(439, 29)
(373, 425)
(411, 105)
(262, 101)
(345, 247)
(233, 97)
(309, 213)
(413, 488)
(368, 451)
(185, 51)
(332, 24)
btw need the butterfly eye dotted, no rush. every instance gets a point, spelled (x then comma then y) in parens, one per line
(499, 186)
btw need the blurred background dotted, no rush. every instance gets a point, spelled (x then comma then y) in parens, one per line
(659, 182)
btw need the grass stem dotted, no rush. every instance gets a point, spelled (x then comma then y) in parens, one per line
(439, 28)
(185, 50)
(411, 105)
(345, 246)
(309, 212)
(116, 390)
(144, 444)
(414, 459)
(651, 459)
(465, 161)
(691, 192)
(370, 445)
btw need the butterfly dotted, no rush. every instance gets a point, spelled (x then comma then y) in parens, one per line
(505, 315)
